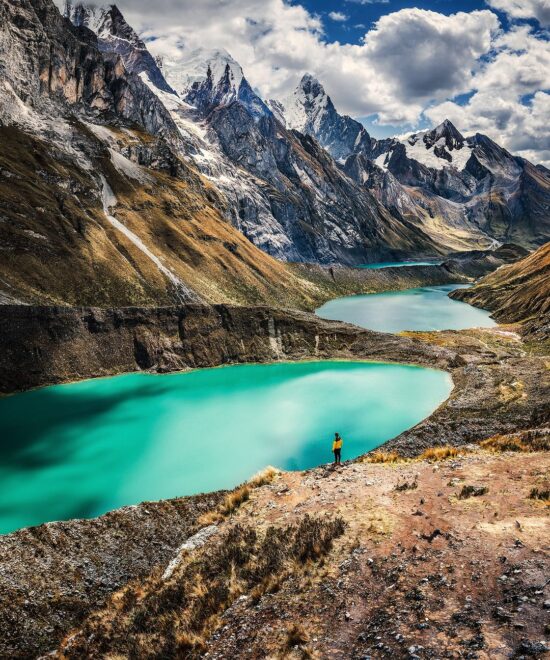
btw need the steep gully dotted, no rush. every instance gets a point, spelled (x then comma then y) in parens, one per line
(182, 293)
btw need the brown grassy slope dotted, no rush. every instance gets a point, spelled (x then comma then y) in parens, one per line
(516, 292)
(58, 247)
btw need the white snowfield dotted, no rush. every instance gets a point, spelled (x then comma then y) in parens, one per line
(416, 149)
(128, 168)
(193, 66)
(299, 107)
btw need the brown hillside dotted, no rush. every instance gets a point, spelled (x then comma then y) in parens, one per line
(515, 292)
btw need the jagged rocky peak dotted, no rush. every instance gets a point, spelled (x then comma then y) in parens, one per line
(310, 110)
(311, 87)
(439, 147)
(208, 78)
(115, 35)
(87, 15)
(446, 134)
(306, 104)
(195, 68)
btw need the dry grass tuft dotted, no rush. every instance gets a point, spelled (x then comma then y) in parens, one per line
(500, 443)
(175, 618)
(383, 457)
(236, 498)
(439, 453)
(187, 643)
(296, 635)
(526, 441)
(540, 494)
(231, 503)
(264, 477)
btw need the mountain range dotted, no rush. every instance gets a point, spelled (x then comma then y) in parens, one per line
(130, 179)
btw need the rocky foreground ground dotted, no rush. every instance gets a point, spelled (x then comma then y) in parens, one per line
(417, 559)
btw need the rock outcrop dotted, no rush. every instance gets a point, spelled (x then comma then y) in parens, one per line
(60, 571)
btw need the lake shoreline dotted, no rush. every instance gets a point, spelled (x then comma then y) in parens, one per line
(98, 445)
(498, 389)
(77, 344)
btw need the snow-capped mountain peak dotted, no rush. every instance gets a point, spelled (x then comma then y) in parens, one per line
(210, 78)
(198, 65)
(87, 15)
(445, 131)
(305, 106)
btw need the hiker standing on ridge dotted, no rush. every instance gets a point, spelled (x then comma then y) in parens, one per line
(337, 448)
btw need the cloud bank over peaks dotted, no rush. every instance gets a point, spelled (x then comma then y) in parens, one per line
(412, 64)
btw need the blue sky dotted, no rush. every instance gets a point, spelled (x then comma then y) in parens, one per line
(397, 66)
(362, 16)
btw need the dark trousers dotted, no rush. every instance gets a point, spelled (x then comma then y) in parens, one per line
(337, 454)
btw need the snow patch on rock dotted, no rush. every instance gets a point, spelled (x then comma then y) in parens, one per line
(128, 168)
(183, 293)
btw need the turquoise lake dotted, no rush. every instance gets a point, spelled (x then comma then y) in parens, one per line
(81, 449)
(426, 308)
(399, 264)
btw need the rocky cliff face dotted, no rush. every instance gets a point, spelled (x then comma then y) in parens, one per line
(114, 35)
(283, 193)
(98, 203)
(47, 63)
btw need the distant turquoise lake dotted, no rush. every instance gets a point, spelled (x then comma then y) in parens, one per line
(79, 450)
(426, 308)
(399, 264)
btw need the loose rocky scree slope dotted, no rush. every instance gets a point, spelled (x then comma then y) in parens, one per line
(379, 560)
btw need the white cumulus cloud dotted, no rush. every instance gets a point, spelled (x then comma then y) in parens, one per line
(338, 16)
(537, 9)
(509, 103)
(409, 65)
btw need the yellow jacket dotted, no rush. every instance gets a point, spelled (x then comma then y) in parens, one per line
(337, 444)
